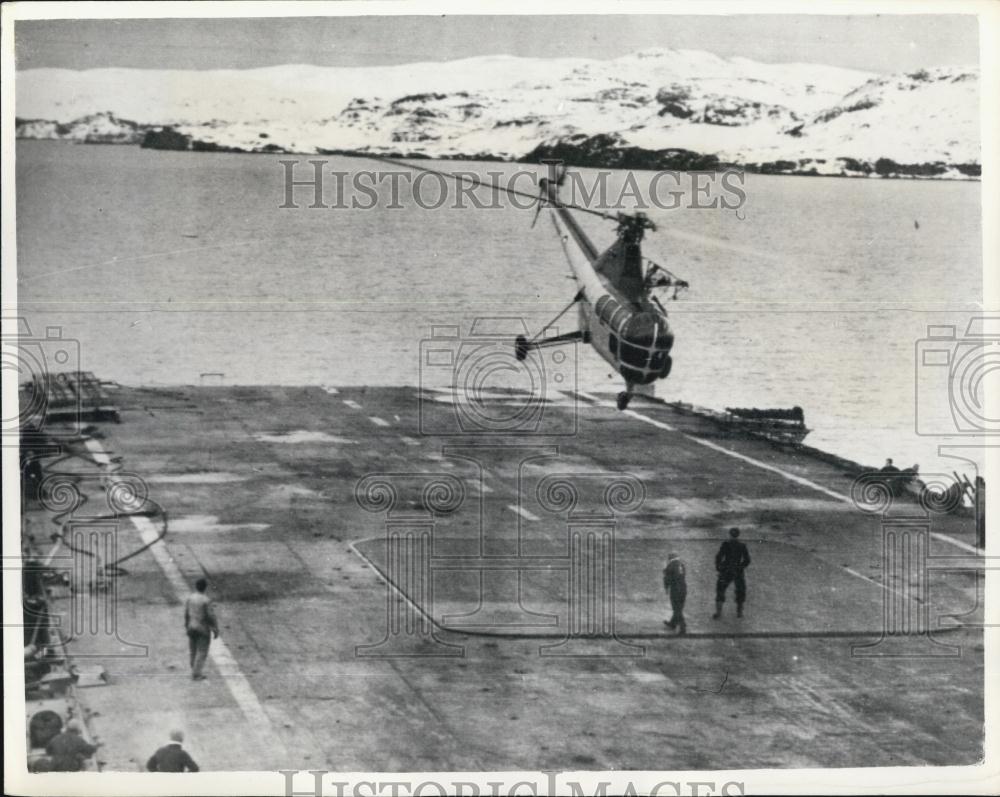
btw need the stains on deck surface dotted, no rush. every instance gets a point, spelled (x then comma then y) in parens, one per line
(261, 488)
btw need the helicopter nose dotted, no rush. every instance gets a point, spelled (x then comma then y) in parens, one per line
(668, 363)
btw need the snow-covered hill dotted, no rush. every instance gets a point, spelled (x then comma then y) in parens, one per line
(653, 109)
(98, 128)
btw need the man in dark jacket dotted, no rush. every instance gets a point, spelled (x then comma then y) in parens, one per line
(730, 562)
(675, 583)
(68, 750)
(172, 757)
(893, 478)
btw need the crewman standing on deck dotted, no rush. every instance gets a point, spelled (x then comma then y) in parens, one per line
(201, 626)
(675, 583)
(730, 562)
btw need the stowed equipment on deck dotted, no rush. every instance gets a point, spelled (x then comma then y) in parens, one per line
(68, 396)
(787, 426)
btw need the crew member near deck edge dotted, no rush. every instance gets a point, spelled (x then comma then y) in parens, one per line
(730, 562)
(675, 584)
(201, 626)
(172, 757)
(68, 750)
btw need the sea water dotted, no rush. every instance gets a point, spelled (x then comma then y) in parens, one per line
(169, 267)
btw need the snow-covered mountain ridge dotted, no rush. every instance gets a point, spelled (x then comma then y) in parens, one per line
(653, 109)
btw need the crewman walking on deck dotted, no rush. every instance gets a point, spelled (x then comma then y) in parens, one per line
(675, 584)
(201, 626)
(730, 562)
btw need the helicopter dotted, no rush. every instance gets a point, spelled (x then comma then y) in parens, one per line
(620, 317)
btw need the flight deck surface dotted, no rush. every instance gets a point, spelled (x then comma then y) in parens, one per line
(381, 590)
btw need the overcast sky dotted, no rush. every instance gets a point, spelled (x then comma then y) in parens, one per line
(877, 43)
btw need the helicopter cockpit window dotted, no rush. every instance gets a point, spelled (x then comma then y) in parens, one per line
(658, 360)
(636, 356)
(621, 317)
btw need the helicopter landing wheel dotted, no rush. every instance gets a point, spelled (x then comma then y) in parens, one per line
(623, 399)
(521, 347)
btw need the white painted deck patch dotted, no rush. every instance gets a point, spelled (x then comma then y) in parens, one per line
(522, 512)
(206, 477)
(548, 398)
(207, 523)
(304, 436)
(646, 677)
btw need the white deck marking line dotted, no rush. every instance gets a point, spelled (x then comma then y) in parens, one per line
(660, 424)
(421, 611)
(331, 390)
(763, 465)
(723, 450)
(58, 544)
(879, 584)
(352, 404)
(482, 487)
(790, 476)
(237, 683)
(958, 543)
(522, 512)
(378, 421)
(409, 441)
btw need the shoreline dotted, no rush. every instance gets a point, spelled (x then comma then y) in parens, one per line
(708, 163)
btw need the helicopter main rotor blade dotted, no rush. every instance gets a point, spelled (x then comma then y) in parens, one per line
(492, 186)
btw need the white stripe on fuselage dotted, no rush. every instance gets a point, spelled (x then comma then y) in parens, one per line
(592, 286)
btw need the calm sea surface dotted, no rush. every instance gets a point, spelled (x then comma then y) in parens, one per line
(166, 266)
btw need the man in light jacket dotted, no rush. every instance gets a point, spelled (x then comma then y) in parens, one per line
(201, 626)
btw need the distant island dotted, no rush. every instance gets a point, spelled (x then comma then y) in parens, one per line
(656, 109)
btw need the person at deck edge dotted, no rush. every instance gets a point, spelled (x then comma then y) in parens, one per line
(730, 562)
(68, 750)
(201, 626)
(172, 757)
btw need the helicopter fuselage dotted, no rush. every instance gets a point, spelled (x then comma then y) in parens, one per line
(616, 315)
